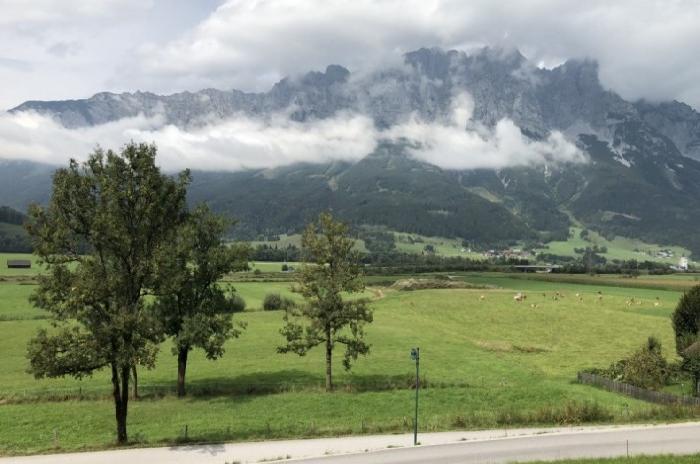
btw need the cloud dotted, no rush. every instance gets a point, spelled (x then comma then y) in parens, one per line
(645, 48)
(229, 145)
(449, 145)
(50, 12)
(244, 142)
(74, 48)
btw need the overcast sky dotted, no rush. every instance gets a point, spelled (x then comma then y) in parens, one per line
(59, 49)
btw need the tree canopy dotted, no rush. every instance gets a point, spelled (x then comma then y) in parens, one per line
(193, 308)
(331, 267)
(99, 237)
(686, 319)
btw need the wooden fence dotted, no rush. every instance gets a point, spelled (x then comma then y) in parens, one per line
(636, 392)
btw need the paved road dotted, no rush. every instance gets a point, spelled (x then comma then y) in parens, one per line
(681, 439)
(487, 446)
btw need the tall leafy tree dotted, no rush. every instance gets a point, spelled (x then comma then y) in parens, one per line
(331, 267)
(99, 236)
(686, 324)
(691, 362)
(686, 319)
(195, 310)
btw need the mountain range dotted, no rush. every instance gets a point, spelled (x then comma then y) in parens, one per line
(641, 178)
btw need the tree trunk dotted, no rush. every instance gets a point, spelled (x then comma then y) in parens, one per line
(120, 391)
(136, 382)
(181, 371)
(329, 362)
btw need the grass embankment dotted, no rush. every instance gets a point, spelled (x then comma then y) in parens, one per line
(667, 459)
(487, 362)
(676, 282)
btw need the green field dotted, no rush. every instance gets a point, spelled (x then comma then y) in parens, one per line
(413, 243)
(488, 362)
(621, 248)
(673, 282)
(406, 243)
(295, 240)
(270, 266)
(4, 271)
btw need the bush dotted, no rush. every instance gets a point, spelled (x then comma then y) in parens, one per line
(274, 302)
(646, 368)
(285, 267)
(238, 303)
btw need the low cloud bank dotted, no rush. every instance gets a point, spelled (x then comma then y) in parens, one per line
(455, 142)
(230, 145)
(461, 143)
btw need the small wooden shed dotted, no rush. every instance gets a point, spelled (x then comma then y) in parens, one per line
(19, 264)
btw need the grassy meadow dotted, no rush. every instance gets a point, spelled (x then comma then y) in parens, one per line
(5, 272)
(486, 361)
(270, 266)
(622, 248)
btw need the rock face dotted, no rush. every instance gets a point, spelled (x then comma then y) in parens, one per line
(503, 83)
(643, 179)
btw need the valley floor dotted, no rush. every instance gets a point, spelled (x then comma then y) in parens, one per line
(487, 362)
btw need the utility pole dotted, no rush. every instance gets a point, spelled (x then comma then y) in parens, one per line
(415, 355)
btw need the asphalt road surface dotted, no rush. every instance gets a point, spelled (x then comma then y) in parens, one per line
(678, 439)
(486, 446)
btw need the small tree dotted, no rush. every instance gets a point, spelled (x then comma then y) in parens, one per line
(98, 237)
(193, 308)
(686, 319)
(691, 364)
(646, 368)
(330, 268)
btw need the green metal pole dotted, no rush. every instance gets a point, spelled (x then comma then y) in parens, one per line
(415, 420)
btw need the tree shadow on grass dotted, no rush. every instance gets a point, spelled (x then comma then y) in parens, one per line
(289, 381)
(241, 387)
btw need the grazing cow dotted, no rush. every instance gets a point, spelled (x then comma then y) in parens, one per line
(482, 297)
(519, 297)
